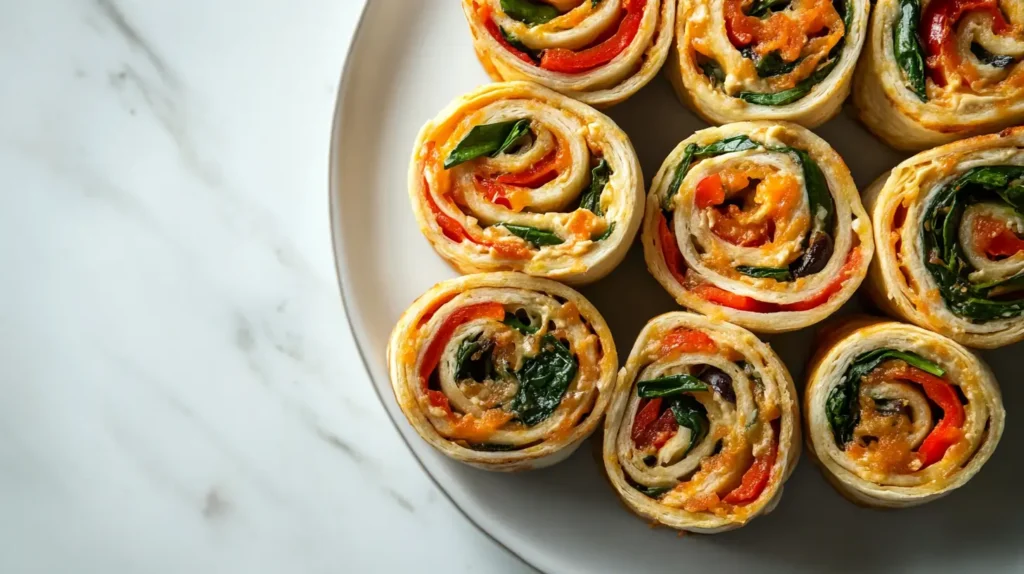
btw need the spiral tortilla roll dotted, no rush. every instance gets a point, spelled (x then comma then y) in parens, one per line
(948, 223)
(898, 416)
(935, 71)
(758, 223)
(739, 60)
(516, 177)
(704, 425)
(600, 53)
(502, 371)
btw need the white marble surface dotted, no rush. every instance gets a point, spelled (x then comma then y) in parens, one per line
(180, 391)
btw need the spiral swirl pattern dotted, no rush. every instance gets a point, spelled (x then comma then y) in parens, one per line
(559, 201)
(704, 427)
(600, 53)
(898, 416)
(501, 370)
(935, 71)
(948, 226)
(759, 223)
(737, 60)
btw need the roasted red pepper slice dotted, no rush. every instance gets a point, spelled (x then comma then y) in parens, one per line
(852, 262)
(646, 415)
(688, 341)
(725, 298)
(670, 251)
(995, 239)
(657, 433)
(451, 228)
(494, 192)
(720, 296)
(539, 173)
(948, 432)
(938, 25)
(572, 62)
(709, 192)
(439, 399)
(755, 479)
(432, 356)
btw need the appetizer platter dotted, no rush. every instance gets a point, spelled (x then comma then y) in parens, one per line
(657, 285)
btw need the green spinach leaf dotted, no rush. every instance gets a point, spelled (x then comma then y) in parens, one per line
(536, 237)
(689, 413)
(793, 94)
(519, 325)
(776, 273)
(598, 179)
(489, 140)
(907, 46)
(607, 233)
(694, 152)
(772, 64)
(473, 359)
(944, 258)
(528, 12)
(819, 198)
(669, 386)
(652, 491)
(713, 71)
(518, 45)
(543, 380)
(1013, 194)
(762, 8)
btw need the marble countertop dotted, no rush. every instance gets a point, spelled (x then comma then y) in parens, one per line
(181, 392)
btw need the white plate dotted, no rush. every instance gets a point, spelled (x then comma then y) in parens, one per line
(409, 59)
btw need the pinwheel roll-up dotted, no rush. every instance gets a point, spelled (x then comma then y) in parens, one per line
(516, 177)
(938, 70)
(898, 416)
(596, 51)
(948, 224)
(736, 60)
(501, 370)
(758, 223)
(704, 426)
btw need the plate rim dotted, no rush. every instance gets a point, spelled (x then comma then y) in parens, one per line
(334, 213)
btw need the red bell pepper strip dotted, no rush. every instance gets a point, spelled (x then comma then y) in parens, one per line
(539, 173)
(938, 25)
(572, 62)
(647, 414)
(454, 231)
(670, 251)
(949, 430)
(493, 191)
(755, 479)
(688, 341)
(432, 356)
(852, 262)
(439, 399)
(709, 192)
(657, 433)
(995, 239)
(720, 296)
(451, 228)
